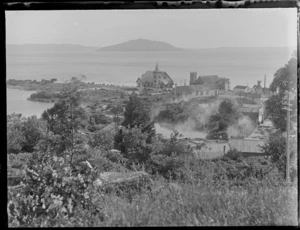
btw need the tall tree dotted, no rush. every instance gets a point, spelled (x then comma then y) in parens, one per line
(33, 130)
(15, 137)
(67, 119)
(221, 82)
(225, 116)
(136, 114)
(285, 79)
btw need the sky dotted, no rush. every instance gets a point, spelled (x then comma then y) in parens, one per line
(191, 28)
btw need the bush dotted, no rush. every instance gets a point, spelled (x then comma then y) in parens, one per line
(52, 188)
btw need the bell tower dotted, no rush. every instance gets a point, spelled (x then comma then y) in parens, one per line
(156, 67)
(193, 77)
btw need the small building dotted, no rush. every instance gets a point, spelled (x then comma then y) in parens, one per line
(209, 81)
(207, 149)
(154, 80)
(251, 145)
(194, 91)
(212, 150)
(247, 146)
(241, 89)
(257, 89)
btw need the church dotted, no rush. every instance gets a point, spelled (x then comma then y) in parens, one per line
(155, 80)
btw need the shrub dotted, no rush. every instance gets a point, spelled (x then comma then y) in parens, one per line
(51, 189)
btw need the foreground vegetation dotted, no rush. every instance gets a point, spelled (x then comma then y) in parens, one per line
(54, 184)
(210, 193)
(54, 165)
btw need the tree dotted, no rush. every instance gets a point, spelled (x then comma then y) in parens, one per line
(137, 115)
(221, 82)
(173, 113)
(225, 116)
(53, 80)
(15, 137)
(33, 130)
(134, 146)
(68, 120)
(117, 111)
(275, 111)
(285, 78)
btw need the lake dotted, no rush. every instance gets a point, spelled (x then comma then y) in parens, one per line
(243, 66)
(17, 102)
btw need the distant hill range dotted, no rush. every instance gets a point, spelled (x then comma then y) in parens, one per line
(53, 47)
(140, 45)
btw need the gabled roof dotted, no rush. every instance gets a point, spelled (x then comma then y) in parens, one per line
(240, 87)
(206, 79)
(148, 76)
(210, 78)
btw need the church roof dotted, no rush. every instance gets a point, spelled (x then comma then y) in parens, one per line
(148, 76)
(208, 80)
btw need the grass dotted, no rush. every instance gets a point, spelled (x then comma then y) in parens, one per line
(195, 205)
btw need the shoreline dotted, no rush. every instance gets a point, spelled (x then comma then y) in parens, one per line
(19, 87)
(41, 100)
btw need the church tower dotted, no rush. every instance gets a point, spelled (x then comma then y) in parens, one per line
(156, 67)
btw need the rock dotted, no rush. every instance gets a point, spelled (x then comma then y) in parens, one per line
(123, 183)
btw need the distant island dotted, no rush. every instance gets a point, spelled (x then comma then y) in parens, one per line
(140, 45)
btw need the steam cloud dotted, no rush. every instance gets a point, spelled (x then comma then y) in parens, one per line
(244, 127)
(200, 113)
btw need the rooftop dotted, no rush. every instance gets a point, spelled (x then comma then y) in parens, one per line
(240, 87)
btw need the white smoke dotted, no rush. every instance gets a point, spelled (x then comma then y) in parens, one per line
(243, 128)
(200, 114)
(199, 117)
(185, 130)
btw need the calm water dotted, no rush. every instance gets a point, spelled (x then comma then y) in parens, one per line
(242, 66)
(17, 102)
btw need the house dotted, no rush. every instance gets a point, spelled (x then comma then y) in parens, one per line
(209, 81)
(194, 91)
(257, 89)
(212, 149)
(241, 89)
(207, 149)
(155, 80)
(251, 145)
(247, 146)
